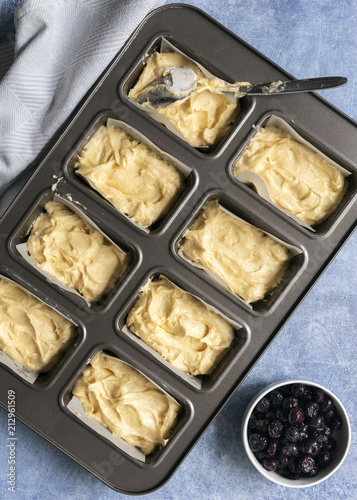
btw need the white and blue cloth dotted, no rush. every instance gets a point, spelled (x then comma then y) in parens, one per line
(59, 50)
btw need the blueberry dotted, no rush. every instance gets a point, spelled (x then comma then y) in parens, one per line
(296, 416)
(293, 465)
(290, 450)
(263, 405)
(298, 390)
(292, 434)
(307, 397)
(304, 431)
(272, 447)
(326, 431)
(317, 422)
(275, 428)
(284, 472)
(260, 455)
(318, 395)
(312, 409)
(283, 461)
(280, 414)
(271, 415)
(257, 441)
(321, 439)
(306, 464)
(259, 424)
(327, 404)
(276, 398)
(336, 423)
(270, 464)
(290, 402)
(311, 446)
(329, 413)
(323, 458)
(312, 472)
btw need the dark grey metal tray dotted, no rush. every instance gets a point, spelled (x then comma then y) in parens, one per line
(42, 405)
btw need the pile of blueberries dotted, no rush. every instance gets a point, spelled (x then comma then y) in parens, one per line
(290, 430)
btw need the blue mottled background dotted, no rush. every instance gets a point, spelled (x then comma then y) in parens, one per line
(307, 38)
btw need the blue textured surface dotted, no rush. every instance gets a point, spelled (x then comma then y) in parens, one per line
(318, 343)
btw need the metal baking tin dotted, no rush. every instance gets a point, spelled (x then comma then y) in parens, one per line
(42, 405)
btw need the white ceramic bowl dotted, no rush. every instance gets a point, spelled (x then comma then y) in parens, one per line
(342, 437)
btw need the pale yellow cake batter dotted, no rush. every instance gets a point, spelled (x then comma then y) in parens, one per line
(204, 117)
(127, 403)
(67, 247)
(130, 175)
(297, 178)
(250, 263)
(192, 337)
(31, 333)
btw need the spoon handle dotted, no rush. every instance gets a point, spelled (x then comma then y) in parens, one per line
(289, 86)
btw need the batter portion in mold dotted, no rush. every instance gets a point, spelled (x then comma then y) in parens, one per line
(31, 333)
(186, 332)
(205, 116)
(298, 179)
(127, 403)
(137, 181)
(249, 262)
(73, 251)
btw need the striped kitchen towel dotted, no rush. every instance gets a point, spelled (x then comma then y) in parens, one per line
(60, 47)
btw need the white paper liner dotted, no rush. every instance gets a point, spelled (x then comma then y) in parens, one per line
(23, 250)
(23, 372)
(137, 135)
(196, 381)
(75, 406)
(293, 250)
(166, 46)
(28, 375)
(248, 177)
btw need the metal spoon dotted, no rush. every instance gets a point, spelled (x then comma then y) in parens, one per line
(179, 83)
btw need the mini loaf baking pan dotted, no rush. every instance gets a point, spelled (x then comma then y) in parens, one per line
(155, 251)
